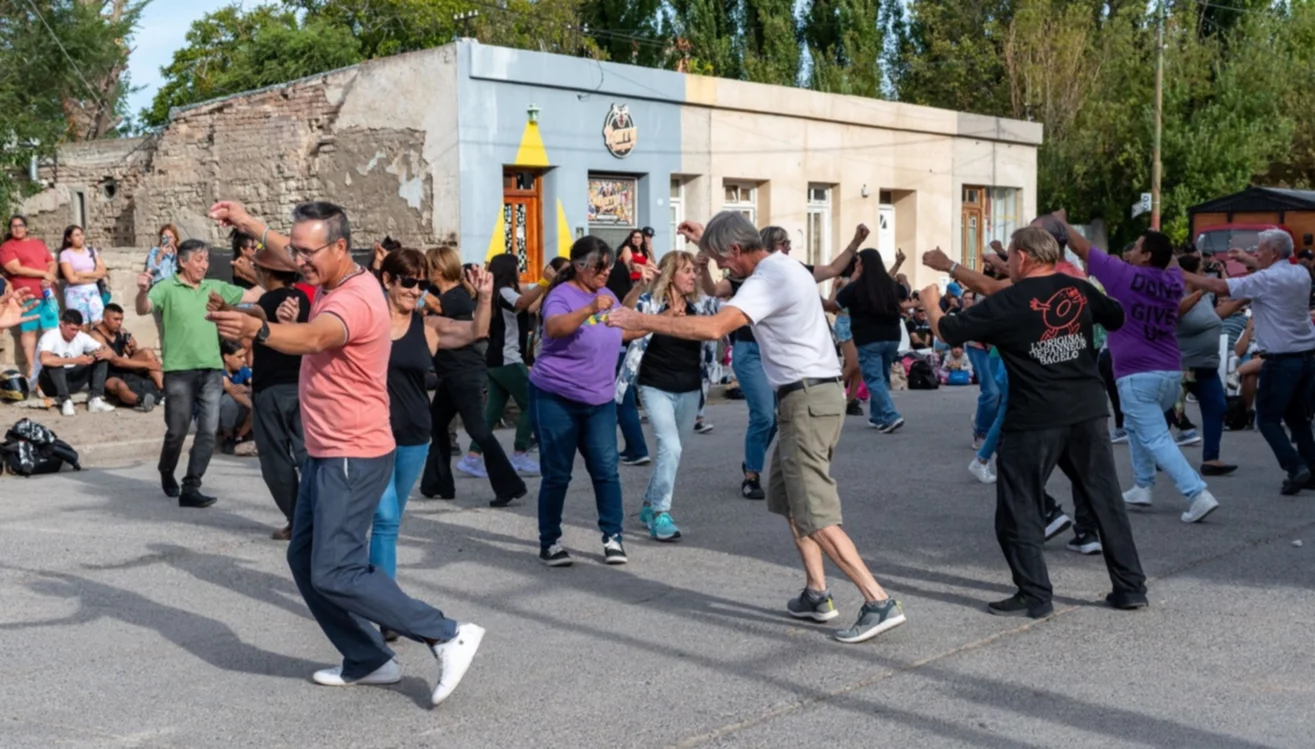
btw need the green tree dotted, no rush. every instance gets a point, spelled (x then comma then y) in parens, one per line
(706, 37)
(542, 25)
(232, 50)
(846, 44)
(771, 42)
(49, 94)
(625, 30)
(390, 27)
(950, 54)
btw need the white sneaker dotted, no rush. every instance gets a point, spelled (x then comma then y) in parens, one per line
(1204, 504)
(389, 673)
(98, 406)
(454, 657)
(982, 471)
(524, 464)
(66, 408)
(1138, 496)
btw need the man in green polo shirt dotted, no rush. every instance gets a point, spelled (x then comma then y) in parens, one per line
(193, 368)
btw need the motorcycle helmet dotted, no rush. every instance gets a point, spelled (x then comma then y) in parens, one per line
(13, 386)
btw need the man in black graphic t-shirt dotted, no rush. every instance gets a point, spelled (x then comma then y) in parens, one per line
(1041, 326)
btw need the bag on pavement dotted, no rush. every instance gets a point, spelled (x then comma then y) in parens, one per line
(31, 449)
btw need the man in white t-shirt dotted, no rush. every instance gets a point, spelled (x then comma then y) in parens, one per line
(779, 300)
(72, 360)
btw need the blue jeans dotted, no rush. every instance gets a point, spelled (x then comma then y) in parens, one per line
(1145, 397)
(408, 464)
(627, 415)
(875, 360)
(1210, 395)
(988, 395)
(1284, 395)
(997, 372)
(564, 426)
(761, 399)
(672, 417)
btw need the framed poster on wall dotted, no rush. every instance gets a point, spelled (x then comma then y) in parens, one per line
(612, 201)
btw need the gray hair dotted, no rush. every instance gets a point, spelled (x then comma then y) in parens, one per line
(1038, 244)
(189, 248)
(1278, 240)
(334, 217)
(773, 236)
(730, 229)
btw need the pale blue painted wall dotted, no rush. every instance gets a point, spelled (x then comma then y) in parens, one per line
(496, 87)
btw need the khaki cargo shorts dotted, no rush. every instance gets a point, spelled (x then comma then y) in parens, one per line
(800, 486)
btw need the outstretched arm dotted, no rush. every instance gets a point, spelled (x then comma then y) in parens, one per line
(978, 282)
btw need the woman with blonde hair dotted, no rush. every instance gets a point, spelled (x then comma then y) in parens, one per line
(461, 374)
(672, 375)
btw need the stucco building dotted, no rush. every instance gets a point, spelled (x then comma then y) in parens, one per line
(508, 150)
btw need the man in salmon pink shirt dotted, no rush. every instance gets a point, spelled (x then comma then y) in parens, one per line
(345, 347)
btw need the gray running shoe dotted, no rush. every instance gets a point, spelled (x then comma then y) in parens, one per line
(873, 619)
(806, 605)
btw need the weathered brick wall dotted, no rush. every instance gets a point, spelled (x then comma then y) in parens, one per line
(124, 264)
(94, 184)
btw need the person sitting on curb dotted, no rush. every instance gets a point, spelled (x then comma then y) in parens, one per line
(235, 403)
(135, 376)
(70, 361)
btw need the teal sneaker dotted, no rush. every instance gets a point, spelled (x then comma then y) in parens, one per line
(809, 605)
(873, 619)
(662, 528)
(646, 516)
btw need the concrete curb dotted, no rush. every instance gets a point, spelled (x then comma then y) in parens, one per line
(110, 454)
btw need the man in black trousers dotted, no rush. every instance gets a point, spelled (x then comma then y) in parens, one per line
(1041, 325)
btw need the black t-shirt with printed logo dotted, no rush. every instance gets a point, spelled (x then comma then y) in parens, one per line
(1042, 328)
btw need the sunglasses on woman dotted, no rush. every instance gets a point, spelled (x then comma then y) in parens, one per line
(407, 282)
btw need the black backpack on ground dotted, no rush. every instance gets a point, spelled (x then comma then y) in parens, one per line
(922, 376)
(31, 449)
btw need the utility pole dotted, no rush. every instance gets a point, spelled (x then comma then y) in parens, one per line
(1159, 115)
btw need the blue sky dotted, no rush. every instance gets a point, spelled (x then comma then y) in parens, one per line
(163, 28)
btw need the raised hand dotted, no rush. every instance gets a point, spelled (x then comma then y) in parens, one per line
(931, 296)
(549, 273)
(144, 281)
(482, 280)
(899, 257)
(692, 231)
(647, 273)
(861, 233)
(289, 310)
(11, 308)
(230, 213)
(937, 260)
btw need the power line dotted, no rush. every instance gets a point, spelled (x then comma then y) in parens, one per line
(90, 89)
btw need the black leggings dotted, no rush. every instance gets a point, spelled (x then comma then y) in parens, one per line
(463, 393)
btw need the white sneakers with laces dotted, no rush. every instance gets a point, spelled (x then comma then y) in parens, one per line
(389, 673)
(454, 658)
(98, 406)
(982, 471)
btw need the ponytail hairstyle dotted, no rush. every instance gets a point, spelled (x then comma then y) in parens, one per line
(446, 262)
(588, 252)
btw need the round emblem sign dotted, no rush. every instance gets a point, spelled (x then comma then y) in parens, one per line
(619, 132)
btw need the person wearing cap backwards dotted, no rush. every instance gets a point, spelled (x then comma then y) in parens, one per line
(276, 416)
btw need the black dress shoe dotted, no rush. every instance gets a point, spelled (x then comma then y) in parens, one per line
(169, 484)
(1295, 482)
(504, 501)
(1020, 605)
(195, 499)
(1127, 601)
(1216, 469)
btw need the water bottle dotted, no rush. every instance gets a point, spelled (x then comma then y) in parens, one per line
(45, 294)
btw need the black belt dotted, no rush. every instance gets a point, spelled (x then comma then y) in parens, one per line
(807, 382)
(1287, 355)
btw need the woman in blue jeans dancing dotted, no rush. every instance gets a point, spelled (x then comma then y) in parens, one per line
(404, 274)
(874, 301)
(571, 392)
(671, 374)
(1200, 325)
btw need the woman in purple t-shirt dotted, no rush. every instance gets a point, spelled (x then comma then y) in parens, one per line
(571, 398)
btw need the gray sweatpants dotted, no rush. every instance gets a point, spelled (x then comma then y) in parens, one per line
(330, 560)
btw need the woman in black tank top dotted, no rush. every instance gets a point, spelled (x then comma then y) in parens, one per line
(414, 343)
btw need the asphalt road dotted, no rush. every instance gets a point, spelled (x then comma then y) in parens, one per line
(127, 622)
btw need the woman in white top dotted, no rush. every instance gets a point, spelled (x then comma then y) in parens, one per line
(507, 349)
(81, 267)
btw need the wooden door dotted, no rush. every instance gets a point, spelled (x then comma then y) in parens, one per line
(973, 216)
(522, 220)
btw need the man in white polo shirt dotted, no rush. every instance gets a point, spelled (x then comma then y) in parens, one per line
(779, 300)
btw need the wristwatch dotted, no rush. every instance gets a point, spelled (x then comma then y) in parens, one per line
(263, 334)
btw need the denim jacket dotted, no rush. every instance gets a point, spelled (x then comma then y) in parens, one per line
(706, 305)
(161, 265)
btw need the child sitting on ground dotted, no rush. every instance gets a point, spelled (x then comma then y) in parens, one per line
(235, 403)
(956, 368)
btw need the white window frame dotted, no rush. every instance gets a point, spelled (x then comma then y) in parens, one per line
(819, 205)
(677, 202)
(1001, 214)
(745, 200)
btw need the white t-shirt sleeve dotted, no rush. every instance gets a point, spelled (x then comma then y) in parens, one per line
(756, 298)
(509, 295)
(84, 344)
(51, 342)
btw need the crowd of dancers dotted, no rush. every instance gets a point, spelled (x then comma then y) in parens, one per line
(1039, 328)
